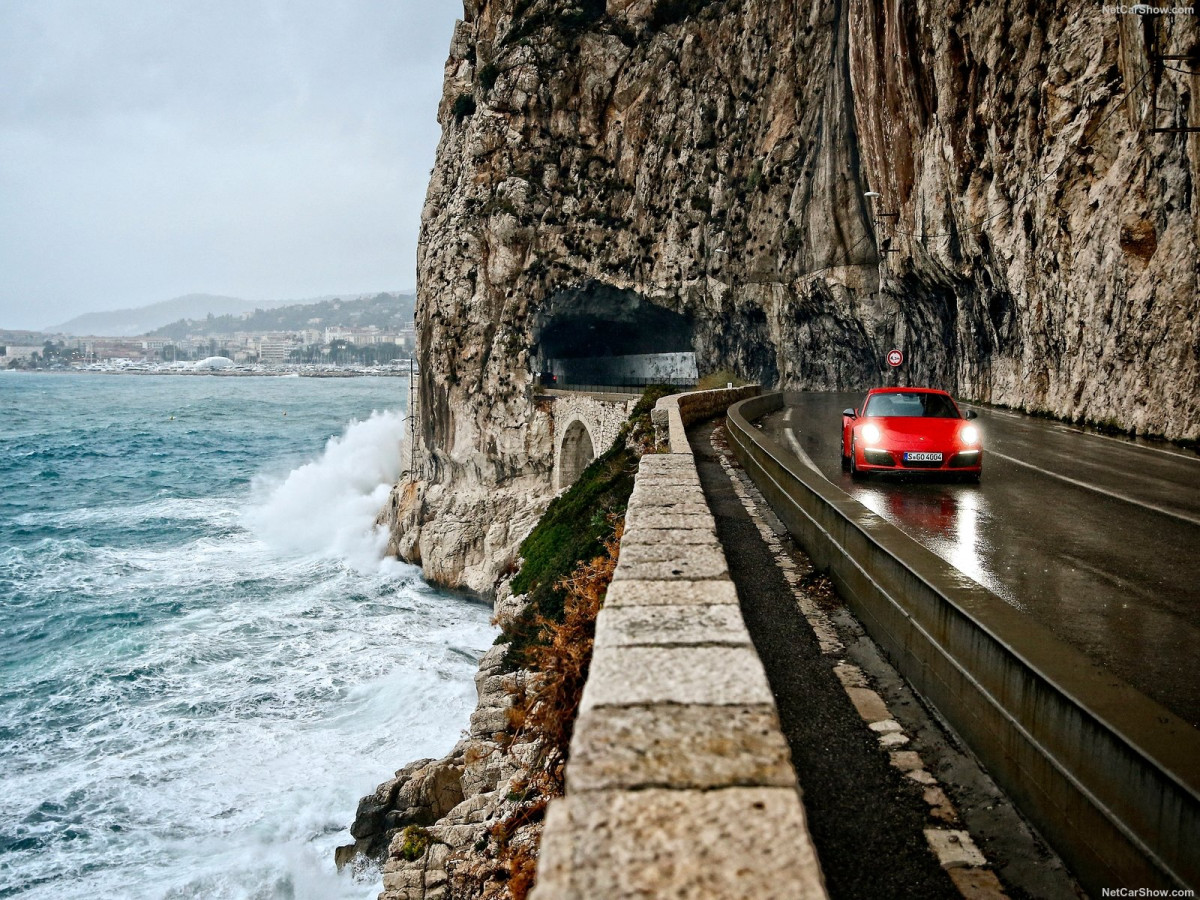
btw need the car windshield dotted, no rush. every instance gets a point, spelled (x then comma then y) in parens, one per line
(915, 403)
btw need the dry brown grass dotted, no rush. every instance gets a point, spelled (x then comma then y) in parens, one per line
(562, 661)
(719, 379)
(543, 717)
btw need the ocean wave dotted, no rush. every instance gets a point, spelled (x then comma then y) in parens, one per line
(199, 688)
(328, 507)
(216, 511)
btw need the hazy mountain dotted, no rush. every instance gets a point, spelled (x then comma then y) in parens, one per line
(386, 311)
(128, 322)
(194, 307)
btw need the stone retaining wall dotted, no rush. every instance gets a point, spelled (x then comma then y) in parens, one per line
(673, 414)
(679, 782)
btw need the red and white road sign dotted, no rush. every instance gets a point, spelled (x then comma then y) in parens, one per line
(895, 357)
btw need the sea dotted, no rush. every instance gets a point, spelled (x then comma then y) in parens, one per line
(205, 658)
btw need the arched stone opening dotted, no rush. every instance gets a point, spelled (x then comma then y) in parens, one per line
(575, 453)
(596, 334)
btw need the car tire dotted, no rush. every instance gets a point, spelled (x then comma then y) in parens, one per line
(855, 472)
(845, 458)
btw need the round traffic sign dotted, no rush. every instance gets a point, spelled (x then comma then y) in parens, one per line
(895, 357)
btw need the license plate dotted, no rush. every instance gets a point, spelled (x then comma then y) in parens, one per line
(922, 457)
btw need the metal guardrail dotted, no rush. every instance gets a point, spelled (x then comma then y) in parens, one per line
(1110, 777)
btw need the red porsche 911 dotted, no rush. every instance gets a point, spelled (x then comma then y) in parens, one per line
(911, 430)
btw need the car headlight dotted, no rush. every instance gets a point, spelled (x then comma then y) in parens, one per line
(969, 435)
(871, 433)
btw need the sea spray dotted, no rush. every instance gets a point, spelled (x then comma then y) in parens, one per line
(205, 668)
(328, 507)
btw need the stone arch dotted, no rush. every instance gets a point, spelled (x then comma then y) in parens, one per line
(576, 450)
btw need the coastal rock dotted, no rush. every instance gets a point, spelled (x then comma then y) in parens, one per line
(420, 793)
(427, 823)
(1033, 244)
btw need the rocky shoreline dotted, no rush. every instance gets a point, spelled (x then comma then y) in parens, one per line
(429, 824)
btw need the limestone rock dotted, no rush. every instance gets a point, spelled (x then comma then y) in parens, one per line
(711, 158)
(420, 794)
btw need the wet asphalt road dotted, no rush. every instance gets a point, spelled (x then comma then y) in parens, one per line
(1096, 538)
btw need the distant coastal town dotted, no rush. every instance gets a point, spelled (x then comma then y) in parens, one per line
(366, 335)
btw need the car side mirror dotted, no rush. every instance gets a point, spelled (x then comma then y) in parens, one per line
(971, 414)
(849, 412)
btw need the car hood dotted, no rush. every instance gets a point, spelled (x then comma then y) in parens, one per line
(916, 427)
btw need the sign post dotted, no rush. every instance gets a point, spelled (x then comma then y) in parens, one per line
(895, 359)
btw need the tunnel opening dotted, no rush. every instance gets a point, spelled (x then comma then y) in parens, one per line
(576, 454)
(597, 335)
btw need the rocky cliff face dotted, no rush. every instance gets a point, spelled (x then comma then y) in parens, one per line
(1033, 243)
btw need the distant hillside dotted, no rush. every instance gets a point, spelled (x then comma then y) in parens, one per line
(389, 311)
(22, 338)
(129, 322)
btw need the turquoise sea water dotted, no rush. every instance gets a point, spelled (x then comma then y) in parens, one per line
(204, 659)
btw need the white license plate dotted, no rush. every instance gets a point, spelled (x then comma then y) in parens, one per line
(922, 457)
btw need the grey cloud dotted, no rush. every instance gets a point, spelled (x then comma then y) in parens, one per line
(260, 149)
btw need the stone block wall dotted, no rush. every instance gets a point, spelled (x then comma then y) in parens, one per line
(679, 783)
(673, 414)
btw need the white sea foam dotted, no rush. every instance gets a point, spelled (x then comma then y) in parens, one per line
(328, 507)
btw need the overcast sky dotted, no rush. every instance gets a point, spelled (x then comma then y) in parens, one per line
(262, 149)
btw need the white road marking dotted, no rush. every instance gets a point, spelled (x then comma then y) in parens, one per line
(789, 430)
(954, 848)
(1116, 495)
(1124, 443)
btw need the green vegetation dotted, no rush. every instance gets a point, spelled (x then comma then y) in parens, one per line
(570, 557)
(571, 22)
(575, 528)
(793, 239)
(385, 311)
(719, 379)
(583, 14)
(488, 75)
(755, 181)
(416, 842)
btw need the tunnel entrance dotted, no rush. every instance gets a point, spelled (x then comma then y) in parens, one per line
(576, 453)
(600, 336)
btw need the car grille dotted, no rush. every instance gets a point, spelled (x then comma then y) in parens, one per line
(965, 460)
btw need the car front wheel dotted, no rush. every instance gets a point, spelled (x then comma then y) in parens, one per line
(855, 472)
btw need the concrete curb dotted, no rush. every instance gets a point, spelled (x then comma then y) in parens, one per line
(1109, 776)
(679, 782)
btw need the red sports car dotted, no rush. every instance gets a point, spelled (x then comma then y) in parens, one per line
(910, 430)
